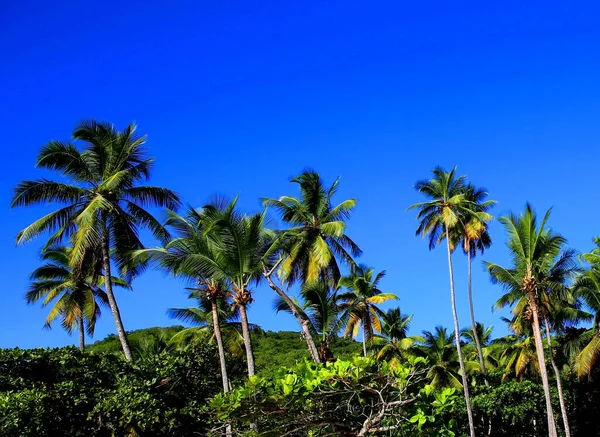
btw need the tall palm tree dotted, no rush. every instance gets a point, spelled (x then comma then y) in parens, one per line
(557, 308)
(440, 215)
(394, 342)
(75, 294)
(241, 243)
(540, 267)
(217, 243)
(360, 303)
(179, 257)
(103, 203)
(322, 306)
(313, 245)
(475, 238)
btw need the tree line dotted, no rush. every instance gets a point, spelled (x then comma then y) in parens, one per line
(93, 247)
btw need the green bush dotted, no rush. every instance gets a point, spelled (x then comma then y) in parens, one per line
(66, 392)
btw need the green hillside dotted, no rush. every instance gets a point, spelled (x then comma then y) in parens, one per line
(272, 350)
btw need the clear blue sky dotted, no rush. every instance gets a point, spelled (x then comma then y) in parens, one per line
(236, 97)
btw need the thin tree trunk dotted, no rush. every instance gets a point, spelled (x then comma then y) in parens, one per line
(221, 350)
(247, 340)
(219, 338)
(561, 397)
(81, 334)
(112, 302)
(539, 347)
(364, 339)
(472, 311)
(465, 382)
(303, 321)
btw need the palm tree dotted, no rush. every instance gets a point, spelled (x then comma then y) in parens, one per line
(438, 217)
(180, 255)
(518, 356)
(587, 288)
(322, 306)
(241, 243)
(76, 294)
(441, 353)
(540, 268)
(316, 239)
(475, 238)
(314, 244)
(103, 201)
(210, 295)
(360, 303)
(394, 341)
(228, 333)
(217, 246)
(484, 335)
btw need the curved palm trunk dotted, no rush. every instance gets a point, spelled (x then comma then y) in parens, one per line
(112, 302)
(465, 383)
(472, 311)
(81, 334)
(561, 397)
(539, 348)
(303, 321)
(247, 340)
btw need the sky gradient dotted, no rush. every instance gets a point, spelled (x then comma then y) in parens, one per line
(237, 97)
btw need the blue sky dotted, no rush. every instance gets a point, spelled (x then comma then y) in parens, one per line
(237, 97)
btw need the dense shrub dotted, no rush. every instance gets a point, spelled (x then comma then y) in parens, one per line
(66, 392)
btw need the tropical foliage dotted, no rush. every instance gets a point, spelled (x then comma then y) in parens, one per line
(190, 380)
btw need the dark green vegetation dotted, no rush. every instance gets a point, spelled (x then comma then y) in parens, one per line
(220, 374)
(67, 392)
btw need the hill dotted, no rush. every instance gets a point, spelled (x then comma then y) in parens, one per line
(271, 349)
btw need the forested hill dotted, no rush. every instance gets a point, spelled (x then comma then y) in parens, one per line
(272, 350)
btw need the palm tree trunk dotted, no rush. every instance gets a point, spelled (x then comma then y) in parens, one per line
(561, 397)
(472, 311)
(539, 347)
(112, 302)
(81, 334)
(364, 339)
(303, 321)
(465, 383)
(221, 350)
(247, 340)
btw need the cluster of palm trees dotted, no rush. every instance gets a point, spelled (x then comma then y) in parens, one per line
(545, 284)
(225, 253)
(222, 251)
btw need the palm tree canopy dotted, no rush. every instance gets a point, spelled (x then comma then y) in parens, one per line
(102, 188)
(361, 300)
(446, 208)
(587, 288)
(539, 259)
(394, 342)
(322, 306)
(396, 324)
(440, 350)
(74, 293)
(214, 243)
(485, 334)
(473, 229)
(316, 241)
